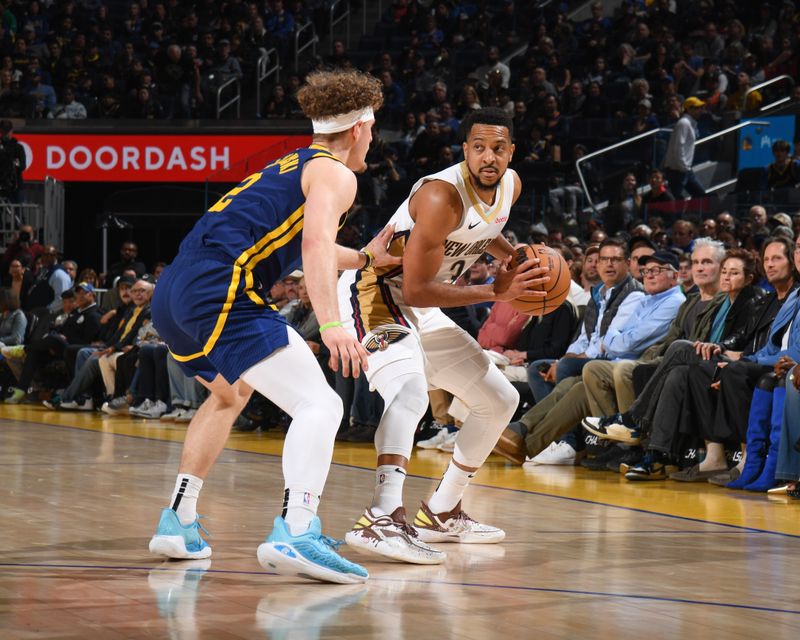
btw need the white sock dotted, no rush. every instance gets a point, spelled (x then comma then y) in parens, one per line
(451, 488)
(184, 497)
(299, 508)
(389, 479)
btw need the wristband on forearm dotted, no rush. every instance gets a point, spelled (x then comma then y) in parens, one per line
(330, 325)
(368, 258)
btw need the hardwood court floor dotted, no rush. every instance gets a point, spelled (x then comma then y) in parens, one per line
(587, 555)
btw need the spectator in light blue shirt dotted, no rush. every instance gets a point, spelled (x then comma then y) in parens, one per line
(651, 319)
(610, 308)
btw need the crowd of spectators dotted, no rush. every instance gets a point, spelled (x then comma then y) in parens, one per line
(572, 85)
(146, 60)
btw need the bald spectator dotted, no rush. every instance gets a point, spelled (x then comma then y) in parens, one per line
(709, 228)
(127, 253)
(683, 235)
(758, 220)
(176, 76)
(726, 222)
(492, 64)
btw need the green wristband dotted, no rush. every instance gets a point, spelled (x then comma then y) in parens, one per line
(330, 325)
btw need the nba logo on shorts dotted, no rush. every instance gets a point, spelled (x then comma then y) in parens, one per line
(306, 498)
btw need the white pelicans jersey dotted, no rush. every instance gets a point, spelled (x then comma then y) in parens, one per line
(374, 297)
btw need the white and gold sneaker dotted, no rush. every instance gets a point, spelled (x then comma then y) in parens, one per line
(454, 526)
(391, 536)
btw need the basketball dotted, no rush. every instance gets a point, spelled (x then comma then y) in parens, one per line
(556, 289)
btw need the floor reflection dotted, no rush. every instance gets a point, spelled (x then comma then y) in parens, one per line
(176, 586)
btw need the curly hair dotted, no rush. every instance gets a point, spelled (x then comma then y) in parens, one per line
(749, 262)
(332, 93)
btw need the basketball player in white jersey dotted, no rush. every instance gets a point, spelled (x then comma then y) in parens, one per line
(448, 221)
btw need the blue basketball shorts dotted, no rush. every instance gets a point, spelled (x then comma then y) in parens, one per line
(213, 319)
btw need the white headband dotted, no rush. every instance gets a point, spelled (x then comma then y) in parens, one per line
(342, 122)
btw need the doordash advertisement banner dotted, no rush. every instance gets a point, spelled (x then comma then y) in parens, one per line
(151, 158)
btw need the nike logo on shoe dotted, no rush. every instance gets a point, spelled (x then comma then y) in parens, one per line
(472, 226)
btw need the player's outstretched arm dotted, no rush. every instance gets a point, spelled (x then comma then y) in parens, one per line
(330, 188)
(378, 250)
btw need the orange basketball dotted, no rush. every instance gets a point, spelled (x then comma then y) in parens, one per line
(557, 288)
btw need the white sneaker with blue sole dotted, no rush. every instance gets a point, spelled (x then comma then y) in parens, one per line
(309, 555)
(175, 540)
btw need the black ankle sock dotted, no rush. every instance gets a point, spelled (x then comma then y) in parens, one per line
(519, 428)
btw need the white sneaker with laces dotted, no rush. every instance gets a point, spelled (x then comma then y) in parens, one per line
(558, 453)
(186, 416)
(434, 441)
(154, 411)
(74, 405)
(141, 409)
(392, 537)
(173, 415)
(115, 407)
(454, 526)
(449, 445)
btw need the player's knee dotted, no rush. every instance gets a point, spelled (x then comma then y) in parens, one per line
(507, 402)
(411, 397)
(324, 408)
(497, 402)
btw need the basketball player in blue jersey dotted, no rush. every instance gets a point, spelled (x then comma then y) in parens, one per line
(448, 221)
(209, 308)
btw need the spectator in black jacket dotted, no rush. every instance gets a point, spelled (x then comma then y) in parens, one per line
(81, 327)
(12, 162)
(127, 252)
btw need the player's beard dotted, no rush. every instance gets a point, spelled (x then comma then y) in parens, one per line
(483, 186)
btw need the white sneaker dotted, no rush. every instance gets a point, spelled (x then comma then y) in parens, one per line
(153, 411)
(74, 405)
(173, 415)
(115, 407)
(557, 453)
(186, 416)
(435, 441)
(449, 445)
(454, 526)
(141, 408)
(391, 536)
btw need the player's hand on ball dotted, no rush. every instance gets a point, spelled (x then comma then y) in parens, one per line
(347, 349)
(378, 247)
(524, 280)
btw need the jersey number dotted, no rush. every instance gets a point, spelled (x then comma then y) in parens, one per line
(225, 200)
(457, 269)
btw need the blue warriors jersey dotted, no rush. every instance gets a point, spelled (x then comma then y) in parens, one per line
(259, 222)
(209, 304)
